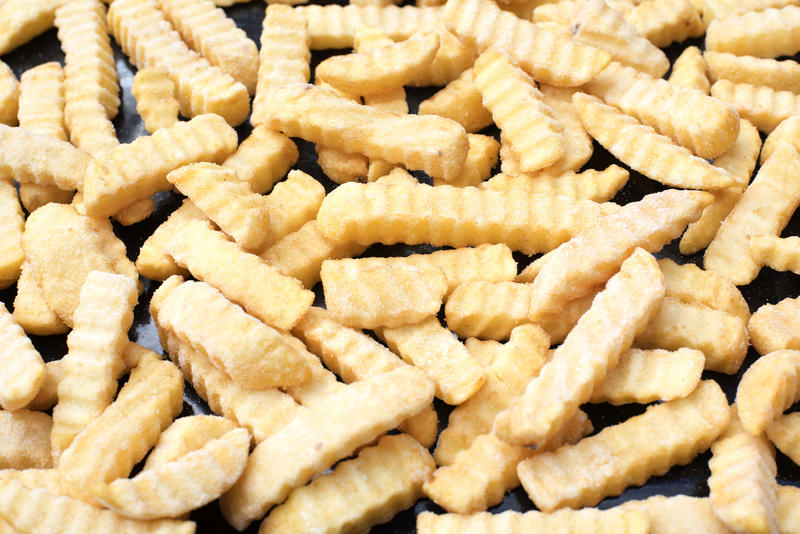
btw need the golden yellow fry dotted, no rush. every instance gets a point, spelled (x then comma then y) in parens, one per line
(681, 513)
(457, 217)
(155, 98)
(767, 389)
(94, 361)
(370, 489)
(481, 159)
(666, 21)
(48, 392)
(41, 100)
(356, 415)
(284, 57)
(690, 70)
(525, 121)
(148, 39)
(136, 212)
(112, 444)
(487, 310)
(644, 376)
(594, 255)
(33, 510)
(34, 196)
(778, 253)
(783, 432)
(21, 366)
(548, 57)
(578, 147)
(742, 483)
(153, 261)
(739, 160)
(12, 223)
(667, 434)
(25, 440)
(616, 316)
(785, 132)
(597, 186)
(773, 186)
(90, 129)
(371, 292)
(23, 20)
(453, 58)
(263, 159)
(278, 300)
(209, 32)
(590, 520)
(779, 75)
(556, 12)
(635, 145)
(719, 9)
(788, 499)
(763, 106)
(596, 24)
(185, 435)
(342, 167)
(692, 285)
(768, 33)
(31, 310)
(772, 326)
(684, 115)
(459, 101)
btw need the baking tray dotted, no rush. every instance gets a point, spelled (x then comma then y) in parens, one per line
(769, 287)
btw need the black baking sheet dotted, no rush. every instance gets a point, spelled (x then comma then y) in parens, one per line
(769, 287)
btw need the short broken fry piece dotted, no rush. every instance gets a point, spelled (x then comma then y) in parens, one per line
(263, 159)
(155, 98)
(25, 440)
(767, 389)
(690, 70)
(772, 326)
(459, 101)
(41, 100)
(31, 310)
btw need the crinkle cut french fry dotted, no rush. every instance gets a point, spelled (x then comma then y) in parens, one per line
(439, 145)
(208, 31)
(370, 293)
(597, 186)
(487, 310)
(778, 253)
(594, 255)
(719, 9)
(763, 106)
(678, 514)
(775, 186)
(767, 389)
(684, 115)
(783, 432)
(452, 58)
(153, 261)
(137, 170)
(94, 361)
(136, 212)
(773, 326)
(179, 486)
(481, 159)
(739, 160)
(148, 40)
(9, 95)
(786, 132)
(644, 376)
(23, 20)
(788, 500)
(779, 75)
(356, 415)
(12, 223)
(292, 203)
(263, 159)
(690, 70)
(34, 196)
(89, 127)
(720, 335)
(635, 145)
(459, 101)
(31, 310)
(155, 98)
(517, 107)
(25, 440)
(666, 21)
(548, 57)
(742, 482)
(284, 57)
(667, 434)
(769, 33)
(47, 396)
(454, 216)
(33, 510)
(279, 301)
(187, 434)
(333, 26)
(590, 521)
(112, 444)
(596, 24)
(616, 316)
(380, 482)
(340, 166)
(258, 356)
(578, 146)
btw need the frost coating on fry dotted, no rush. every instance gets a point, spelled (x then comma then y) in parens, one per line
(786, 132)
(667, 434)
(547, 57)
(487, 310)
(153, 261)
(41, 100)
(155, 98)
(209, 32)
(31, 310)
(765, 107)
(148, 40)
(94, 361)
(679, 514)
(578, 148)
(341, 422)
(370, 489)
(779, 75)
(481, 159)
(9, 95)
(21, 366)
(137, 170)
(698, 122)
(278, 300)
(459, 101)
(453, 57)
(783, 432)
(597, 186)
(22, 20)
(719, 9)
(12, 225)
(666, 21)
(767, 389)
(25, 440)
(187, 434)
(773, 326)
(769, 33)
(690, 70)
(371, 293)
(263, 159)
(608, 328)
(778, 253)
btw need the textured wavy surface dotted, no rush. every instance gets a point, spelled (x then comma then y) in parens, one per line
(779, 75)
(153, 261)
(263, 159)
(719, 9)
(452, 58)
(784, 433)
(690, 70)
(31, 310)
(763, 106)
(666, 21)
(12, 223)
(459, 101)
(769, 33)
(597, 186)
(21, 366)
(767, 389)
(41, 100)
(187, 434)
(773, 326)
(155, 98)
(778, 253)
(487, 310)
(681, 513)
(22, 21)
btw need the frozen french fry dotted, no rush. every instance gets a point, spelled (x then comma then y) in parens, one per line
(136, 212)
(783, 432)
(209, 32)
(21, 366)
(763, 106)
(90, 129)
(47, 396)
(148, 39)
(23, 20)
(597, 186)
(12, 223)
(31, 310)
(263, 159)
(767, 388)
(25, 440)
(185, 435)
(627, 454)
(41, 100)
(768, 33)
(547, 57)
(719, 9)
(460, 101)
(773, 186)
(578, 148)
(772, 326)
(681, 513)
(666, 21)
(743, 489)
(786, 132)
(634, 144)
(481, 159)
(487, 310)
(153, 262)
(779, 75)
(155, 98)
(356, 415)
(690, 70)
(778, 253)
(788, 499)
(453, 57)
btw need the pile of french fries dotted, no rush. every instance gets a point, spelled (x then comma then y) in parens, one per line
(324, 414)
